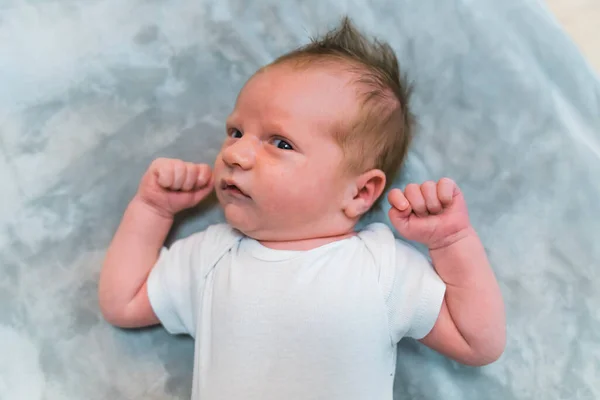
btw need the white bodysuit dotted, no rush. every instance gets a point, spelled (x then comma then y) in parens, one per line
(294, 325)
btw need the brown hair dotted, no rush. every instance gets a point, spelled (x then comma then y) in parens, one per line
(380, 135)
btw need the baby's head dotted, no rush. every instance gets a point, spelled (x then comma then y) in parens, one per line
(315, 138)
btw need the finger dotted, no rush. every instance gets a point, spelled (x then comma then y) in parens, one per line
(397, 200)
(204, 176)
(179, 172)
(399, 219)
(400, 205)
(415, 198)
(191, 176)
(164, 171)
(445, 191)
(429, 192)
(200, 193)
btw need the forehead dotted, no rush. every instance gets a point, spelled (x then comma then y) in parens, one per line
(319, 96)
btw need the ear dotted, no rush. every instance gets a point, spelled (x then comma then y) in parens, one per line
(365, 190)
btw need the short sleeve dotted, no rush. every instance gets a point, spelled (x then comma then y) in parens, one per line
(415, 296)
(412, 290)
(176, 281)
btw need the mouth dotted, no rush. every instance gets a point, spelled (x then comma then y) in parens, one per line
(231, 188)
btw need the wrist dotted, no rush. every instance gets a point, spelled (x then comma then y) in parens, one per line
(150, 211)
(453, 239)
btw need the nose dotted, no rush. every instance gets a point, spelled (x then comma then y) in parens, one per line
(242, 153)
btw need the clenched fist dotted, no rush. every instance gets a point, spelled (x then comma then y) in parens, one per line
(434, 214)
(171, 185)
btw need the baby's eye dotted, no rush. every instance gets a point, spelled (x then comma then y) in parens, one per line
(282, 144)
(236, 133)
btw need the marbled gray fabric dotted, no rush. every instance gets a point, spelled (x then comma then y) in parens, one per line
(91, 92)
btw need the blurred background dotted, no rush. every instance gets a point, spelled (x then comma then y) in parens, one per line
(581, 20)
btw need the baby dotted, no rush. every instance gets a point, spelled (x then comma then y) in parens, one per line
(286, 300)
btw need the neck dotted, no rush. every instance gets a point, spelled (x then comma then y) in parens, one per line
(305, 244)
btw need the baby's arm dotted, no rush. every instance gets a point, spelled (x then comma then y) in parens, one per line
(168, 187)
(471, 324)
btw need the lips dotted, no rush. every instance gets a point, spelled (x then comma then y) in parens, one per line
(229, 186)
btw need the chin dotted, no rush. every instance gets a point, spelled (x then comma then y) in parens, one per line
(238, 219)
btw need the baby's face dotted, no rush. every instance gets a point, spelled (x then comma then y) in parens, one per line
(280, 174)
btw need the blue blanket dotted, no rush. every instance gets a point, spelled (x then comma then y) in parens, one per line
(91, 92)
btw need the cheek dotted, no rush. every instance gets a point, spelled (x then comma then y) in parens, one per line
(279, 187)
(219, 167)
(301, 190)
(218, 163)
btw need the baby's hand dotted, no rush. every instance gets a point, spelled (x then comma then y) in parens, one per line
(171, 185)
(433, 214)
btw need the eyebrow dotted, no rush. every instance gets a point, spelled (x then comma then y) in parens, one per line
(231, 118)
(275, 128)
